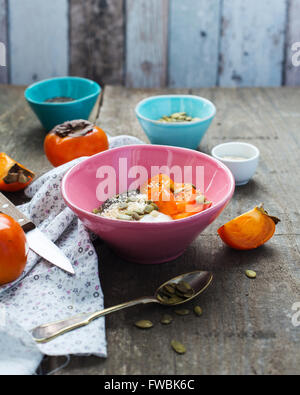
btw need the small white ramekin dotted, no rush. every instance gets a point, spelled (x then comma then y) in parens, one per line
(242, 170)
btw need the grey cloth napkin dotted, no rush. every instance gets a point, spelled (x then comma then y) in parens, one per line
(45, 293)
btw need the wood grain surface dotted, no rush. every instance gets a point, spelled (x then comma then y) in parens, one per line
(146, 43)
(3, 41)
(252, 42)
(97, 41)
(152, 43)
(292, 73)
(247, 325)
(194, 34)
(38, 42)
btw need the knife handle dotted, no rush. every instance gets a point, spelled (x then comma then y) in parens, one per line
(8, 208)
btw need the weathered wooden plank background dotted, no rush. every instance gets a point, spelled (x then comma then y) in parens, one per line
(38, 39)
(152, 43)
(146, 43)
(194, 43)
(292, 76)
(3, 39)
(252, 42)
(97, 40)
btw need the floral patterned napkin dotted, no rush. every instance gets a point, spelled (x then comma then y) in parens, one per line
(44, 293)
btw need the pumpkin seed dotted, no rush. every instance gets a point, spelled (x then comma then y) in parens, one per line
(163, 298)
(148, 209)
(144, 324)
(124, 217)
(198, 311)
(189, 294)
(178, 115)
(160, 298)
(182, 312)
(123, 206)
(178, 347)
(183, 287)
(251, 274)
(135, 216)
(132, 199)
(168, 288)
(175, 300)
(166, 319)
(155, 206)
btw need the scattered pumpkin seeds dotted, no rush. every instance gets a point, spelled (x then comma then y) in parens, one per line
(251, 274)
(166, 319)
(182, 312)
(144, 324)
(178, 347)
(198, 311)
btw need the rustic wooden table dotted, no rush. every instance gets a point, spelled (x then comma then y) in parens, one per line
(247, 325)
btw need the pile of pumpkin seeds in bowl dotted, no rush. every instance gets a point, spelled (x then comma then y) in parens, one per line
(178, 117)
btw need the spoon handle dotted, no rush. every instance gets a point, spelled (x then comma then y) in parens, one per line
(48, 332)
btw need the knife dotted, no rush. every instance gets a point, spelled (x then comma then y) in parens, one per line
(37, 241)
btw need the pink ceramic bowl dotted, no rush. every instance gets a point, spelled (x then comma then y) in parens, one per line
(137, 241)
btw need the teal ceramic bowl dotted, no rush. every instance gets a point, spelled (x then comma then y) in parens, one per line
(183, 134)
(84, 93)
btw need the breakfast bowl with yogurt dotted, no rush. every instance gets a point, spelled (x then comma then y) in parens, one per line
(145, 214)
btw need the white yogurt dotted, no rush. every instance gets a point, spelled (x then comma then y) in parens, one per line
(156, 216)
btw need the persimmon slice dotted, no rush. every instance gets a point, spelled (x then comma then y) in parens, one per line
(249, 231)
(13, 176)
(159, 189)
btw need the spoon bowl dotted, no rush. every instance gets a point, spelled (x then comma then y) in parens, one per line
(199, 281)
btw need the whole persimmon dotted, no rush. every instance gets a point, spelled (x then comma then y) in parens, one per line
(13, 250)
(72, 140)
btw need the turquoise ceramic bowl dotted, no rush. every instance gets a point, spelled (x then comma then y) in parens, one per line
(84, 92)
(185, 134)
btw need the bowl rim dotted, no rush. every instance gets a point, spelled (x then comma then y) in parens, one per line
(121, 223)
(156, 122)
(236, 143)
(42, 82)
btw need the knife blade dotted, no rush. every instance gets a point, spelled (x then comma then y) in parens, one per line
(37, 241)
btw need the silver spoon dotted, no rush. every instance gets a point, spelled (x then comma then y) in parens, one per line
(199, 281)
